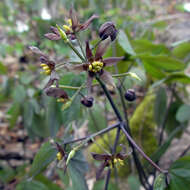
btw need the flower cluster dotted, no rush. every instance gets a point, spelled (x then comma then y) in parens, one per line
(93, 64)
(110, 160)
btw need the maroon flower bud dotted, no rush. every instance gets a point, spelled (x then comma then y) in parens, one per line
(56, 93)
(87, 101)
(130, 95)
(108, 29)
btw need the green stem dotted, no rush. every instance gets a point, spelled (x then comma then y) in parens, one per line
(76, 51)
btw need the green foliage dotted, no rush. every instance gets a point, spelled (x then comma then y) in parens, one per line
(182, 50)
(45, 156)
(3, 69)
(160, 106)
(159, 183)
(183, 113)
(156, 64)
(143, 126)
(133, 182)
(180, 174)
(143, 129)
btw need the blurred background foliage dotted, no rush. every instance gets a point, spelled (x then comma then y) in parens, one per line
(161, 63)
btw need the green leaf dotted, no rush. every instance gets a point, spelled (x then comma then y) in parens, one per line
(26, 78)
(31, 185)
(3, 69)
(28, 114)
(133, 182)
(180, 174)
(171, 122)
(163, 148)
(162, 62)
(159, 183)
(145, 46)
(44, 156)
(182, 50)
(160, 105)
(153, 71)
(48, 182)
(6, 174)
(13, 113)
(77, 168)
(183, 113)
(96, 119)
(64, 177)
(178, 77)
(124, 43)
(160, 24)
(19, 94)
(53, 116)
(99, 185)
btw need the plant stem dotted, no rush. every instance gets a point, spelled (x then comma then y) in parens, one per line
(124, 128)
(107, 179)
(80, 45)
(140, 151)
(76, 51)
(89, 137)
(138, 164)
(120, 119)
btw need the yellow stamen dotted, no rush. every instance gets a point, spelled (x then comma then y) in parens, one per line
(67, 28)
(90, 67)
(59, 156)
(46, 68)
(69, 21)
(96, 66)
(43, 64)
(47, 72)
(61, 100)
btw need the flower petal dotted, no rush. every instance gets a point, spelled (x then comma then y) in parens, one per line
(87, 23)
(54, 30)
(73, 17)
(53, 77)
(77, 68)
(101, 49)
(101, 156)
(112, 61)
(101, 169)
(36, 51)
(52, 36)
(56, 93)
(89, 54)
(107, 78)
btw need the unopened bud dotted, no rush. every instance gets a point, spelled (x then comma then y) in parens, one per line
(62, 34)
(87, 101)
(70, 156)
(130, 95)
(108, 29)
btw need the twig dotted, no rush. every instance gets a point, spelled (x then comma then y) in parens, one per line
(107, 179)
(185, 151)
(89, 137)
(141, 152)
(138, 164)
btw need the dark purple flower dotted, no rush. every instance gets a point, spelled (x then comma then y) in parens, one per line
(109, 160)
(108, 29)
(96, 63)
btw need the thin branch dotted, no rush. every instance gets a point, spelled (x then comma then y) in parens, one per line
(89, 137)
(185, 151)
(141, 152)
(138, 164)
(107, 179)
